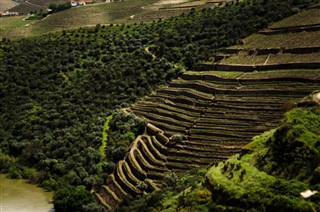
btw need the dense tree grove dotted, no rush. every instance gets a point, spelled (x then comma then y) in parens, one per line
(57, 90)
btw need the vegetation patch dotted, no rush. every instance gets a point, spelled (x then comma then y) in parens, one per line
(103, 146)
(123, 129)
(299, 39)
(245, 58)
(303, 18)
(293, 73)
(223, 74)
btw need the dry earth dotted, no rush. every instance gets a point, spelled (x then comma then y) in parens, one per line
(7, 4)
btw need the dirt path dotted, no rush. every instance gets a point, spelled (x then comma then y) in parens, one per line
(162, 2)
(149, 53)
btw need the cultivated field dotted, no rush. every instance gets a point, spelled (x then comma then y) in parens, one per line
(245, 58)
(301, 39)
(307, 17)
(46, 3)
(7, 4)
(129, 12)
(13, 22)
(217, 109)
(27, 7)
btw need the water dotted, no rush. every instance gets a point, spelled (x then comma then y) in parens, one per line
(20, 196)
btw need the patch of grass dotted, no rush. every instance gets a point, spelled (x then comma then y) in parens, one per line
(107, 13)
(288, 40)
(244, 58)
(13, 22)
(296, 73)
(304, 18)
(294, 58)
(103, 146)
(240, 182)
(224, 74)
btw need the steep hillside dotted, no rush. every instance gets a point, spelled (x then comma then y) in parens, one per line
(61, 94)
(271, 174)
(208, 115)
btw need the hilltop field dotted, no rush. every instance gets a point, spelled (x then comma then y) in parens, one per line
(179, 114)
(126, 12)
(7, 4)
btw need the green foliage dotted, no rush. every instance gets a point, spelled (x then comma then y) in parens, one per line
(269, 178)
(170, 179)
(123, 129)
(176, 138)
(5, 162)
(147, 204)
(33, 175)
(59, 7)
(71, 198)
(50, 184)
(15, 172)
(175, 195)
(37, 16)
(102, 148)
(295, 145)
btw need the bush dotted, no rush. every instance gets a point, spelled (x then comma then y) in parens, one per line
(15, 172)
(5, 162)
(170, 179)
(72, 198)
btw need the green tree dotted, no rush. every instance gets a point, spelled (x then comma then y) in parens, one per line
(70, 198)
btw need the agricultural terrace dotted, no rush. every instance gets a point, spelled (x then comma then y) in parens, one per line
(57, 91)
(208, 115)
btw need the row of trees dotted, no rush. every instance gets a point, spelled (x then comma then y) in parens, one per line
(60, 6)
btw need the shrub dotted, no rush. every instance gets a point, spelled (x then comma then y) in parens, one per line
(5, 162)
(72, 198)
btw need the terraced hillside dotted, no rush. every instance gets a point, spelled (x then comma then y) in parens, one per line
(217, 109)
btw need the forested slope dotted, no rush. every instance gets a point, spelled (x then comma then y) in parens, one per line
(57, 90)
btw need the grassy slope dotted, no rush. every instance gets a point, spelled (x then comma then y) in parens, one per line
(303, 18)
(119, 12)
(303, 39)
(268, 179)
(244, 58)
(46, 3)
(81, 16)
(273, 41)
(26, 7)
(13, 22)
